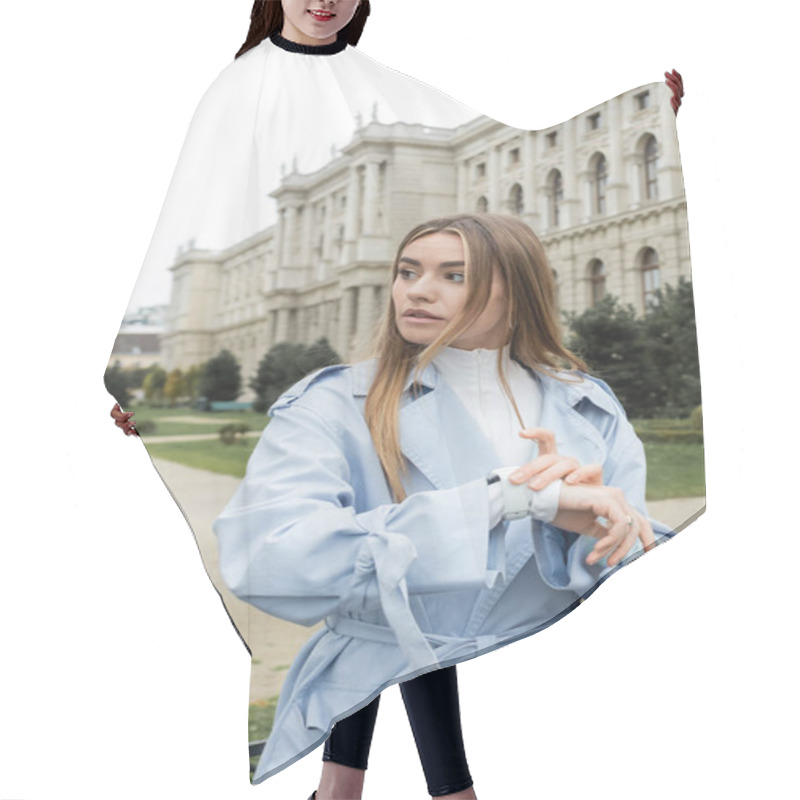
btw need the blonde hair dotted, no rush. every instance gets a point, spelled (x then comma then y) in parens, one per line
(491, 242)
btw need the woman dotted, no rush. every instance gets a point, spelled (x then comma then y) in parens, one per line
(225, 173)
(367, 504)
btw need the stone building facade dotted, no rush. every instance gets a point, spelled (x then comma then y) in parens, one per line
(603, 191)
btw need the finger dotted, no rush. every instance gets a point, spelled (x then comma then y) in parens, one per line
(615, 532)
(646, 535)
(531, 468)
(563, 467)
(625, 545)
(642, 530)
(588, 473)
(544, 437)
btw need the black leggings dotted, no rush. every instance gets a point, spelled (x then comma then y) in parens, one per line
(432, 706)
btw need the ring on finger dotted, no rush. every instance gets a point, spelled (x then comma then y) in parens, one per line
(629, 521)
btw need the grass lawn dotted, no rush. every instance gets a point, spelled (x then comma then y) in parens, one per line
(214, 420)
(259, 724)
(674, 470)
(214, 456)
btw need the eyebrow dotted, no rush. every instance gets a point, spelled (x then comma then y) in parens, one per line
(443, 264)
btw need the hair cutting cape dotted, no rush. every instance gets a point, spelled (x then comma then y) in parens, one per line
(302, 170)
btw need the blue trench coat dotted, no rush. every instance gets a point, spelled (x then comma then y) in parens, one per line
(312, 533)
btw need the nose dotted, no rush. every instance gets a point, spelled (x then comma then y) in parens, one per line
(423, 289)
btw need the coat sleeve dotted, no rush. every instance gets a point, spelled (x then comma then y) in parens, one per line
(562, 554)
(292, 542)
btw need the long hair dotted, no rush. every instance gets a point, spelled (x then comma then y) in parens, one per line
(493, 244)
(266, 18)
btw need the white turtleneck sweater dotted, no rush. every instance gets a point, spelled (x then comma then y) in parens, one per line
(472, 375)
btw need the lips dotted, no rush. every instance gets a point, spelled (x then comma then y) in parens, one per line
(322, 16)
(418, 313)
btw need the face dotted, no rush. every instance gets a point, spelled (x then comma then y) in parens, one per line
(315, 22)
(430, 291)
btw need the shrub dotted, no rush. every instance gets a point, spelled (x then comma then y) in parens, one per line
(146, 426)
(232, 433)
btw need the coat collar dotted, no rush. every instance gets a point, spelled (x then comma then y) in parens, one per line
(565, 387)
(433, 422)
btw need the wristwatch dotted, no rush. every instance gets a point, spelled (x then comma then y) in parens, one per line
(516, 497)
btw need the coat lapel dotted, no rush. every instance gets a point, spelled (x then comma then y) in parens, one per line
(575, 435)
(439, 437)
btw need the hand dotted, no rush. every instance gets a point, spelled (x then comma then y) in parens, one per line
(123, 419)
(675, 82)
(579, 508)
(551, 466)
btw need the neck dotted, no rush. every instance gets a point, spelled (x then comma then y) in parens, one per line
(316, 49)
(294, 34)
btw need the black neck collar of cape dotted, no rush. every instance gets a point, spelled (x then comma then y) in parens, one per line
(308, 49)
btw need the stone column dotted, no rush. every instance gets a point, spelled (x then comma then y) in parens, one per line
(282, 332)
(370, 205)
(288, 236)
(615, 187)
(463, 183)
(528, 154)
(670, 182)
(366, 312)
(633, 169)
(346, 308)
(571, 206)
(351, 216)
(493, 178)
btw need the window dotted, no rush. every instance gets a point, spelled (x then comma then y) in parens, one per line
(552, 139)
(651, 276)
(513, 157)
(599, 182)
(480, 170)
(597, 278)
(482, 206)
(651, 168)
(555, 196)
(594, 121)
(642, 101)
(516, 200)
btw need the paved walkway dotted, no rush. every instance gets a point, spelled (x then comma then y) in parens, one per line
(274, 643)
(193, 437)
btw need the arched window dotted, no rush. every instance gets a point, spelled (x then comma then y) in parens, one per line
(597, 278)
(651, 276)
(555, 196)
(599, 173)
(516, 200)
(482, 206)
(650, 152)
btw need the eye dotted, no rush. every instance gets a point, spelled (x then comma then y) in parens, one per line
(406, 274)
(456, 277)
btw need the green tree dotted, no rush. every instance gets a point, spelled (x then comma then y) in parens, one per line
(222, 377)
(153, 384)
(191, 381)
(173, 386)
(116, 382)
(284, 365)
(671, 335)
(320, 354)
(610, 339)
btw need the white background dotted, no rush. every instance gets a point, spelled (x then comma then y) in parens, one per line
(121, 675)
